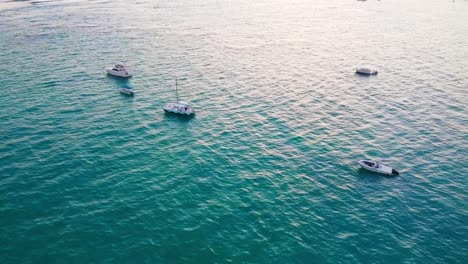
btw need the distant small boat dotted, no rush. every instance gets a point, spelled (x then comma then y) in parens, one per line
(127, 89)
(183, 108)
(118, 70)
(366, 71)
(377, 166)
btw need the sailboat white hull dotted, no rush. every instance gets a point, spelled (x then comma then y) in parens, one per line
(178, 108)
(182, 108)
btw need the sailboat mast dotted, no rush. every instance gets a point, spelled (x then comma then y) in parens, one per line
(177, 93)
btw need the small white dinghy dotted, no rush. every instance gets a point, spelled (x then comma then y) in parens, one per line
(366, 71)
(179, 107)
(119, 71)
(127, 89)
(377, 166)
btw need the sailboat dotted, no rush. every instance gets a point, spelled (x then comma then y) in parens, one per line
(179, 107)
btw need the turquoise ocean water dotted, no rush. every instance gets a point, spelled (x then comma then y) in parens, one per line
(266, 171)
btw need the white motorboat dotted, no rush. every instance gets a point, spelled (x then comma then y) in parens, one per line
(377, 166)
(127, 89)
(366, 71)
(179, 107)
(118, 70)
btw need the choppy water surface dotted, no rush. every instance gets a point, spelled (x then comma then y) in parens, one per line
(266, 171)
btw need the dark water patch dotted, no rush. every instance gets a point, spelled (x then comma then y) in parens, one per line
(36, 37)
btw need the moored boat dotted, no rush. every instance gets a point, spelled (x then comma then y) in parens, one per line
(182, 108)
(377, 166)
(179, 107)
(366, 71)
(127, 89)
(118, 70)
